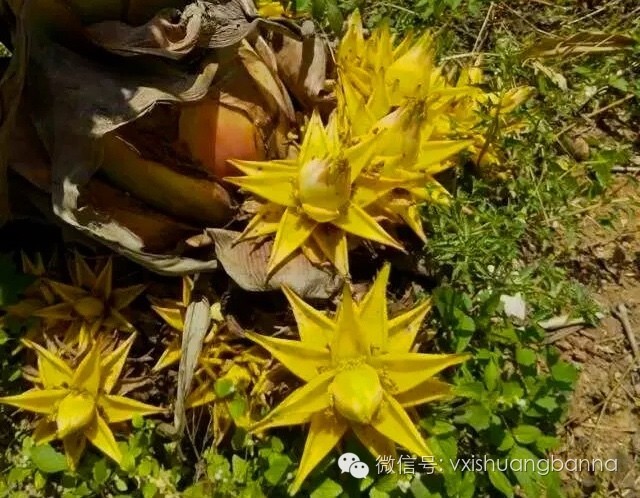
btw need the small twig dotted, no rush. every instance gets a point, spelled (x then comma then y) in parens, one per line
(622, 314)
(594, 13)
(625, 169)
(468, 54)
(480, 37)
(630, 430)
(610, 106)
(561, 322)
(605, 403)
(526, 21)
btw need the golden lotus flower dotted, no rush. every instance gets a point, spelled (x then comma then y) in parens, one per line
(359, 375)
(316, 201)
(173, 313)
(78, 405)
(222, 358)
(90, 304)
(377, 74)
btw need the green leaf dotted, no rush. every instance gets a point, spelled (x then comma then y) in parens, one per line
(500, 481)
(327, 489)
(506, 443)
(526, 357)
(240, 468)
(223, 387)
(477, 416)
(48, 460)
(546, 443)
(100, 471)
(334, 16)
(473, 390)
(523, 465)
(526, 434)
(149, 490)
(278, 466)
(237, 407)
(548, 403)
(491, 375)
(564, 372)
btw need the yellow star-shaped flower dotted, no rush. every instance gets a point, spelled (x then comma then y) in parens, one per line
(78, 405)
(318, 199)
(359, 375)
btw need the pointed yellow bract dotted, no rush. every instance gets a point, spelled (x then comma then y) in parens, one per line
(319, 195)
(78, 404)
(223, 358)
(359, 375)
(380, 73)
(88, 306)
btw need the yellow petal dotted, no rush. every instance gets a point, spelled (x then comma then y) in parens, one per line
(394, 423)
(35, 267)
(359, 156)
(314, 327)
(44, 431)
(407, 370)
(54, 372)
(75, 411)
(292, 233)
(300, 405)
(371, 188)
(202, 395)
(170, 356)
(372, 310)
(102, 438)
(404, 328)
(250, 168)
(359, 223)
(351, 340)
(274, 187)
(174, 317)
(376, 443)
(332, 242)
(118, 408)
(36, 400)
(102, 287)
(325, 432)
(74, 445)
(111, 365)
(62, 311)
(434, 152)
(265, 222)
(121, 298)
(67, 292)
(187, 287)
(429, 390)
(82, 274)
(303, 360)
(315, 142)
(87, 375)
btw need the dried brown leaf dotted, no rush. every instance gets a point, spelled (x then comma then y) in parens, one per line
(580, 43)
(246, 264)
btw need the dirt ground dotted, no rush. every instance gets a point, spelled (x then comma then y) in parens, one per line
(604, 417)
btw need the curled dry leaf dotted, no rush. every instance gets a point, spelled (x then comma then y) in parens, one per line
(160, 36)
(148, 230)
(246, 263)
(304, 66)
(579, 43)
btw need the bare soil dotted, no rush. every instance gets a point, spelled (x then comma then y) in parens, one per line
(604, 417)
